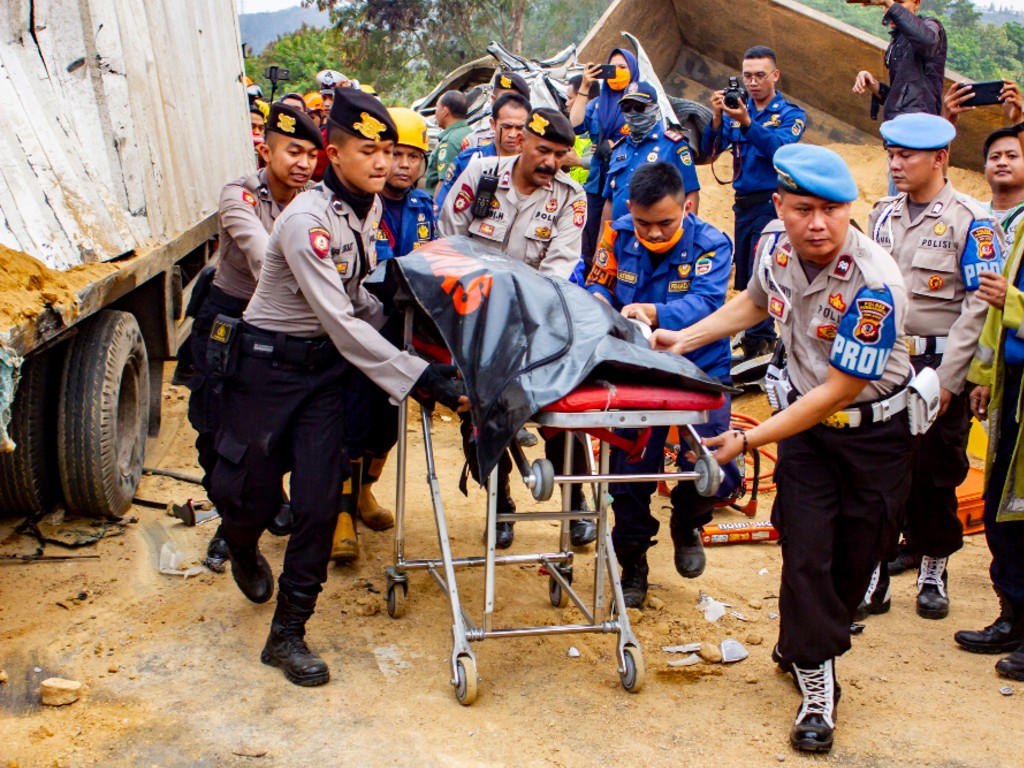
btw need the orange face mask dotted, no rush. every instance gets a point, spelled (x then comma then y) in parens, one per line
(621, 79)
(663, 247)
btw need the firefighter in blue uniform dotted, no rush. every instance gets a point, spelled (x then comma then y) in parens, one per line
(648, 141)
(409, 220)
(665, 268)
(755, 129)
(509, 122)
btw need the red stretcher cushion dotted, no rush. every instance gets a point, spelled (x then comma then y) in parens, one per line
(634, 397)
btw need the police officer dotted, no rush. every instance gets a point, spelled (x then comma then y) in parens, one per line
(648, 141)
(503, 82)
(310, 324)
(755, 129)
(665, 268)
(408, 223)
(451, 119)
(248, 208)
(537, 216)
(844, 440)
(942, 240)
(508, 121)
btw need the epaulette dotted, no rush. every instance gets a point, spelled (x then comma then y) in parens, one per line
(673, 136)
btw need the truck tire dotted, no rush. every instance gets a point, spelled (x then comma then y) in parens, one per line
(104, 416)
(28, 477)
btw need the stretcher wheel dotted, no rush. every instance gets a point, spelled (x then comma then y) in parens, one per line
(543, 472)
(709, 475)
(633, 676)
(397, 600)
(559, 597)
(466, 680)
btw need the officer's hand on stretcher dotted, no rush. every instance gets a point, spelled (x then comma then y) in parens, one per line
(979, 402)
(724, 447)
(992, 289)
(645, 313)
(441, 383)
(670, 341)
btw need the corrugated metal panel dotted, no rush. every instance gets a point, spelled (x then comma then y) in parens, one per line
(122, 121)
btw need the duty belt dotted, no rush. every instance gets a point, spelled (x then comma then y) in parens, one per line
(868, 413)
(925, 345)
(288, 349)
(751, 199)
(863, 413)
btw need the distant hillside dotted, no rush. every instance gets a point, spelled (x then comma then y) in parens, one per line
(994, 14)
(261, 29)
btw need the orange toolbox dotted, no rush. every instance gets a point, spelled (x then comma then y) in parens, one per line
(972, 505)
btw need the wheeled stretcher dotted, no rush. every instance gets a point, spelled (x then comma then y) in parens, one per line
(593, 410)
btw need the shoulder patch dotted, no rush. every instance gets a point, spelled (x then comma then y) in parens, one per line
(249, 197)
(579, 213)
(320, 240)
(866, 335)
(982, 253)
(464, 199)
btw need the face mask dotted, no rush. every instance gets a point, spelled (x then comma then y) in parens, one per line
(664, 247)
(621, 79)
(642, 123)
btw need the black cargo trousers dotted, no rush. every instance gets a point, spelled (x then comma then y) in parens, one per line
(285, 410)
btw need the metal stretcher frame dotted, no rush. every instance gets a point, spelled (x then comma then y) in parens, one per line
(540, 479)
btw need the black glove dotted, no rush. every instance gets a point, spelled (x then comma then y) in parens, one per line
(603, 151)
(439, 383)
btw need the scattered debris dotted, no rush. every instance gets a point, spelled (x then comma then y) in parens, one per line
(733, 651)
(685, 648)
(171, 559)
(1006, 690)
(773, 616)
(574, 652)
(738, 615)
(249, 752)
(57, 692)
(763, 572)
(686, 661)
(192, 512)
(713, 609)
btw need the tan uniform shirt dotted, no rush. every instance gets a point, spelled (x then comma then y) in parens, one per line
(929, 252)
(311, 284)
(481, 137)
(544, 229)
(809, 314)
(247, 214)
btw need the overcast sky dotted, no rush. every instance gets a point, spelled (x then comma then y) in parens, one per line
(258, 6)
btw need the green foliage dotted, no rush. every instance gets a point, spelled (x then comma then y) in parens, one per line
(404, 47)
(975, 49)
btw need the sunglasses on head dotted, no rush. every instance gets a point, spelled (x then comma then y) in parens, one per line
(633, 106)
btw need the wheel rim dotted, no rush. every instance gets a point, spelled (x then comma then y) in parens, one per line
(129, 422)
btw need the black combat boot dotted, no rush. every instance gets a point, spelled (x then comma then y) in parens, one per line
(633, 559)
(906, 559)
(1013, 665)
(252, 573)
(689, 551)
(217, 552)
(282, 523)
(813, 730)
(286, 645)
(878, 598)
(581, 532)
(1005, 634)
(932, 598)
(506, 505)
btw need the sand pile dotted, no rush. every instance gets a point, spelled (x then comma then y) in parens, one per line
(28, 287)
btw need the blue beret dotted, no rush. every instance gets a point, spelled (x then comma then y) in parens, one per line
(805, 169)
(643, 92)
(918, 131)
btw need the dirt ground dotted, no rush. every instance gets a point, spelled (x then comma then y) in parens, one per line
(172, 673)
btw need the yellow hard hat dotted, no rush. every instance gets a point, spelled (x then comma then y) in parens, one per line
(313, 100)
(248, 81)
(367, 88)
(412, 128)
(263, 107)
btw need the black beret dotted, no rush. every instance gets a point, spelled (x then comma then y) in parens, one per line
(552, 125)
(510, 81)
(362, 115)
(1001, 133)
(292, 122)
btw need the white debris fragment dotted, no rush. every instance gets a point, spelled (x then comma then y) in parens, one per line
(171, 559)
(574, 652)
(733, 650)
(687, 661)
(763, 572)
(713, 609)
(686, 648)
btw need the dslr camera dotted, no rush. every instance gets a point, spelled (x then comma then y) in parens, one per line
(734, 94)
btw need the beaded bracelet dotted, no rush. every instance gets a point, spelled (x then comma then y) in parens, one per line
(741, 434)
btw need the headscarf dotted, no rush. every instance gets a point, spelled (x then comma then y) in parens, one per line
(609, 115)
